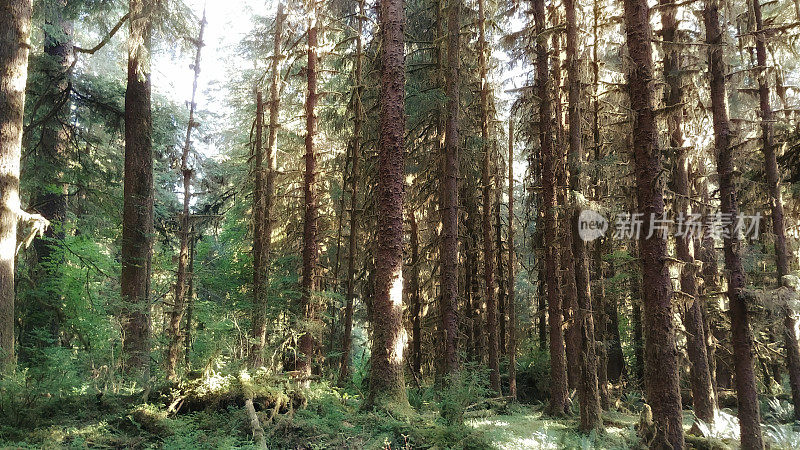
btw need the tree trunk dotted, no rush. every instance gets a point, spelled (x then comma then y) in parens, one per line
(502, 309)
(569, 290)
(599, 291)
(310, 246)
(387, 388)
(189, 302)
(264, 206)
(741, 335)
(703, 402)
(588, 391)
(512, 311)
(488, 241)
(16, 25)
(661, 371)
(416, 299)
(707, 254)
(558, 366)
(448, 253)
(181, 283)
(49, 196)
(358, 116)
(137, 211)
(776, 204)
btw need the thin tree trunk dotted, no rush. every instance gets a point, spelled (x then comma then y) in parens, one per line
(347, 337)
(569, 290)
(189, 302)
(512, 311)
(741, 335)
(638, 334)
(588, 392)
(448, 253)
(16, 25)
(416, 299)
(310, 246)
(703, 402)
(776, 205)
(387, 388)
(181, 283)
(558, 365)
(49, 196)
(488, 241)
(137, 210)
(661, 371)
(265, 205)
(472, 300)
(707, 255)
(599, 291)
(502, 309)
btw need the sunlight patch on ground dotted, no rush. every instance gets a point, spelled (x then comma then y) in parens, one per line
(528, 429)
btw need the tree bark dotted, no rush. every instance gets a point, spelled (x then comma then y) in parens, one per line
(703, 402)
(488, 241)
(416, 299)
(448, 253)
(588, 391)
(387, 388)
(137, 214)
(741, 335)
(15, 21)
(661, 371)
(181, 283)
(502, 309)
(310, 245)
(512, 311)
(358, 117)
(558, 366)
(263, 208)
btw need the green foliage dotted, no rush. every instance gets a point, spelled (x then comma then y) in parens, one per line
(533, 376)
(462, 388)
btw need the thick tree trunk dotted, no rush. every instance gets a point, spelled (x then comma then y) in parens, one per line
(358, 117)
(741, 335)
(776, 204)
(512, 309)
(387, 387)
(558, 366)
(181, 283)
(15, 21)
(137, 210)
(262, 229)
(488, 241)
(448, 253)
(661, 371)
(310, 245)
(703, 402)
(588, 391)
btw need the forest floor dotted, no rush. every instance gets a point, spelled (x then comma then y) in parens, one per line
(328, 417)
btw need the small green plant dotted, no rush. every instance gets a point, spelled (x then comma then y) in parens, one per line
(463, 388)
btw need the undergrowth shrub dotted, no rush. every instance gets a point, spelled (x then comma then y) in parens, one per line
(463, 388)
(533, 376)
